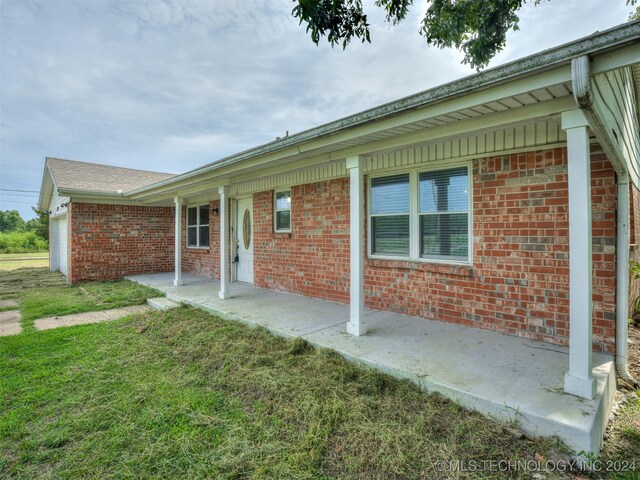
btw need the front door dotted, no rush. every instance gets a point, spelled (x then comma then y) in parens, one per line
(244, 240)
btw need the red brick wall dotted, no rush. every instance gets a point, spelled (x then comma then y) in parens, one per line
(519, 280)
(313, 260)
(204, 262)
(110, 241)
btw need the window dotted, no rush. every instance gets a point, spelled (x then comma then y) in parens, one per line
(444, 211)
(282, 211)
(198, 226)
(421, 215)
(390, 213)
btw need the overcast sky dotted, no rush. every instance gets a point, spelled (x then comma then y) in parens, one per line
(171, 85)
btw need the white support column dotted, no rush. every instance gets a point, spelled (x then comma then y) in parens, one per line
(579, 379)
(355, 166)
(224, 242)
(177, 279)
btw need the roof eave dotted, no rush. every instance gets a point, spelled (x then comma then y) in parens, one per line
(45, 193)
(67, 192)
(536, 63)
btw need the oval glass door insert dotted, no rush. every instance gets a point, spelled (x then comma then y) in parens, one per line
(246, 229)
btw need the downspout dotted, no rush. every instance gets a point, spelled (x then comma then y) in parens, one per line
(622, 281)
(583, 95)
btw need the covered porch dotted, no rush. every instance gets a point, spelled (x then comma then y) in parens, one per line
(503, 376)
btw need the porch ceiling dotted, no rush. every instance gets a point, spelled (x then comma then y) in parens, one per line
(530, 88)
(507, 103)
(406, 133)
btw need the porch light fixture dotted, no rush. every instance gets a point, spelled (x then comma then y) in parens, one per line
(215, 211)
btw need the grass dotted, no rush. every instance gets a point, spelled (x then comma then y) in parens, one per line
(623, 442)
(183, 394)
(42, 293)
(623, 439)
(15, 261)
(5, 256)
(17, 283)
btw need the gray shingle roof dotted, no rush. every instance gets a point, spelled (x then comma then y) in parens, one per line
(73, 175)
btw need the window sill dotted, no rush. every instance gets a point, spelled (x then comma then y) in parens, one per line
(198, 248)
(463, 270)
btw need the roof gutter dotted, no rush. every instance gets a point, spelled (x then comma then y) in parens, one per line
(584, 97)
(78, 191)
(495, 76)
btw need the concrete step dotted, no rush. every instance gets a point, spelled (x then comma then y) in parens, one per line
(162, 303)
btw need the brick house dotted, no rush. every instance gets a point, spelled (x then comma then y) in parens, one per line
(507, 201)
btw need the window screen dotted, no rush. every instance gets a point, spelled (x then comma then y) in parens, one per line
(444, 214)
(390, 212)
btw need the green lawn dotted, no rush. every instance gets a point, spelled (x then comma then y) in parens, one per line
(42, 293)
(5, 256)
(14, 261)
(184, 394)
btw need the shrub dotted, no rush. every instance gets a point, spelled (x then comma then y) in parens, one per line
(22, 242)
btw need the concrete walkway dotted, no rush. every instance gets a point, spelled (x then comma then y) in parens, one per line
(502, 376)
(88, 317)
(10, 321)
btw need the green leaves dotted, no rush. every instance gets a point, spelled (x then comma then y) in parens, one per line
(396, 9)
(338, 20)
(476, 27)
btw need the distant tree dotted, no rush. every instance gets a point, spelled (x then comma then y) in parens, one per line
(40, 224)
(477, 27)
(635, 15)
(11, 221)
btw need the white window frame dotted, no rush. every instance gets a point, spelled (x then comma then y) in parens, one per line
(276, 209)
(198, 226)
(414, 215)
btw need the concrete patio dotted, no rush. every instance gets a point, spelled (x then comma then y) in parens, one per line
(506, 377)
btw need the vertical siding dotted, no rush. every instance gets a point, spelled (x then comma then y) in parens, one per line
(536, 134)
(55, 205)
(615, 102)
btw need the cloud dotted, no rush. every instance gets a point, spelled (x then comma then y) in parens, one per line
(174, 84)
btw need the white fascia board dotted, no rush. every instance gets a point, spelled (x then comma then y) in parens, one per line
(462, 127)
(47, 187)
(502, 80)
(273, 151)
(265, 165)
(612, 60)
(86, 196)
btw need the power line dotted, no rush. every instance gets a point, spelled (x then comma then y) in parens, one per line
(19, 195)
(14, 190)
(13, 201)
(22, 168)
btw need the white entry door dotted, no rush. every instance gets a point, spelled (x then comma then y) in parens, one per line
(244, 240)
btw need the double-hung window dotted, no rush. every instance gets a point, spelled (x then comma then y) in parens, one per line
(198, 226)
(282, 211)
(390, 215)
(444, 214)
(421, 215)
